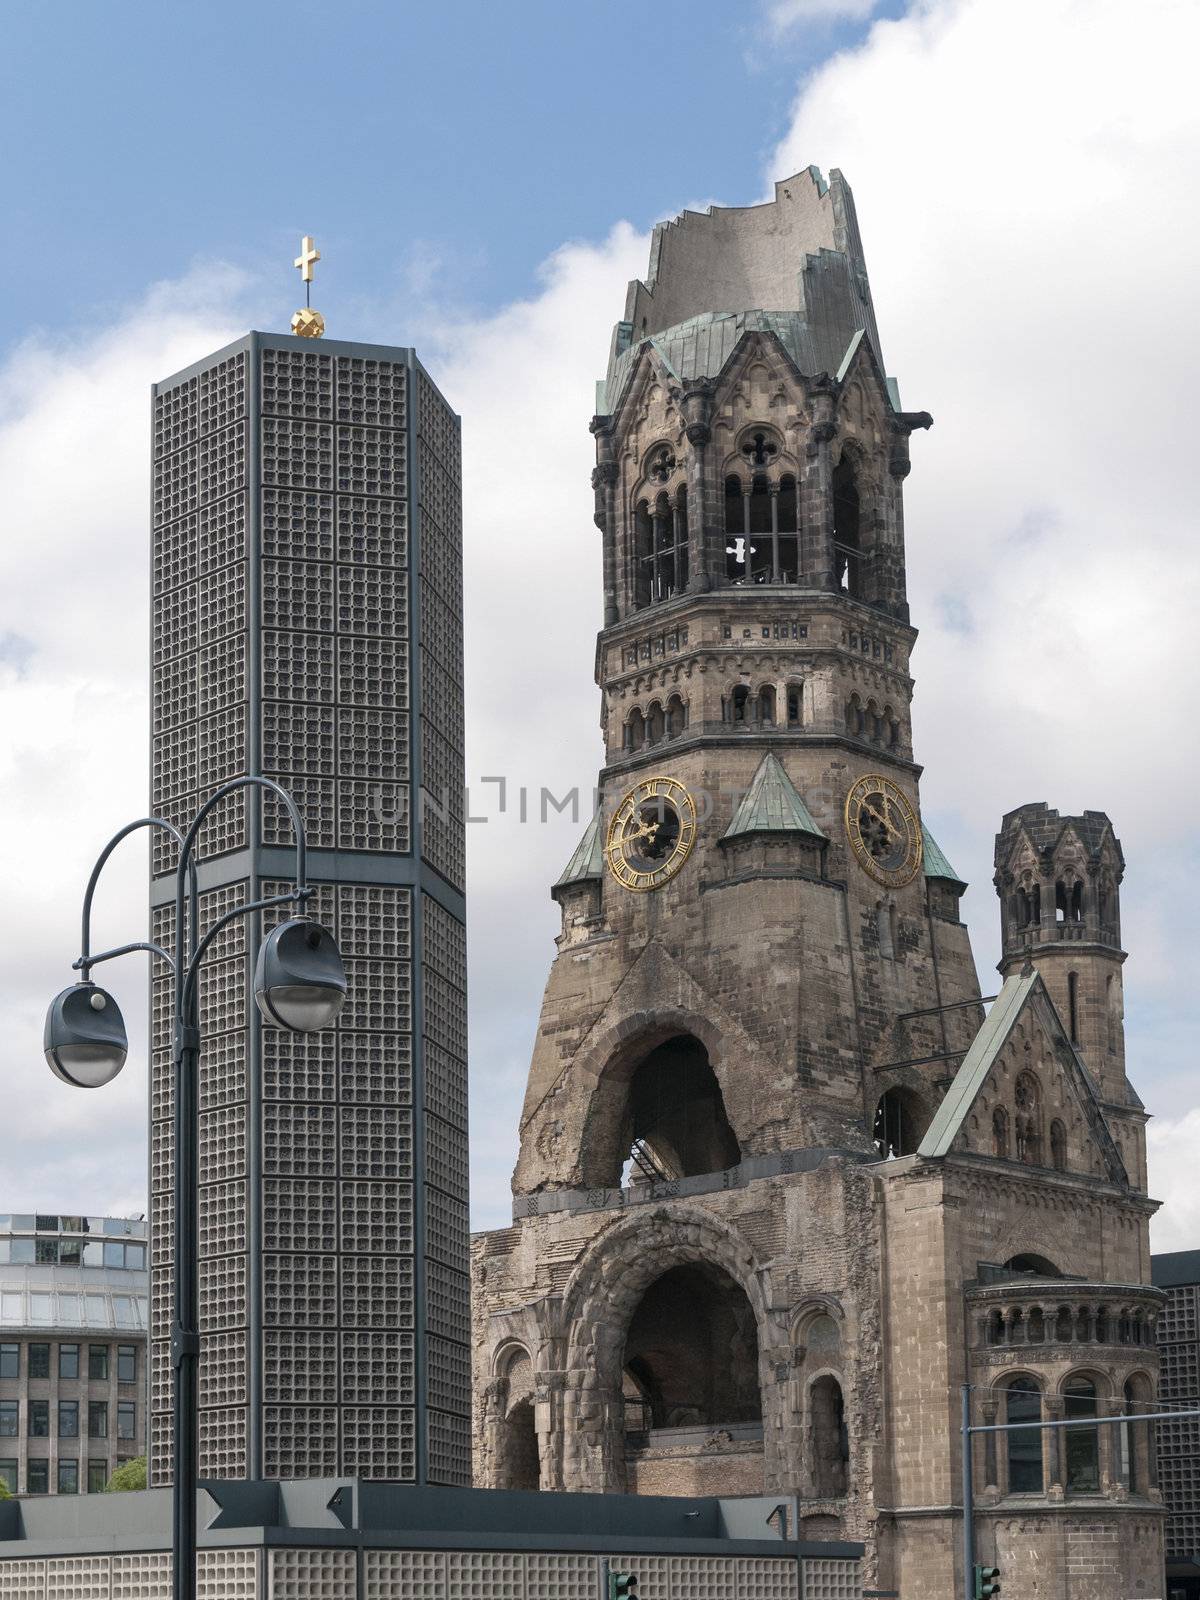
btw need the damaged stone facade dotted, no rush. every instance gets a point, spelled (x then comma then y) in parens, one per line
(785, 1183)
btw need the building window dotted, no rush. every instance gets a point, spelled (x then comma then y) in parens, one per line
(1029, 1119)
(10, 1360)
(98, 1361)
(1058, 1145)
(68, 1360)
(8, 1419)
(127, 1363)
(126, 1419)
(1024, 1445)
(39, 1360)
(68, 1419)
(999, 1132)
(46, 1252)
(97, 1476)
(39, 1419)
(8, 1474)
(37, 1477)
(97, 1419)
(1083, 1444)
(68, 1477)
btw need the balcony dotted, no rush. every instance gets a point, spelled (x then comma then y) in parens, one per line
(1063, 1312)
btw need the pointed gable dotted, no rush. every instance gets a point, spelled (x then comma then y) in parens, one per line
(772, 804)
(1023, 1094)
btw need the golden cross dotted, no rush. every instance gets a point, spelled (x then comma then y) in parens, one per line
(306, 258)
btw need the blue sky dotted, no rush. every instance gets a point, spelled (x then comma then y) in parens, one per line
(457, 143)
(481, 180)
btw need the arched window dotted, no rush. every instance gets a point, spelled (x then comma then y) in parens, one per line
(766, 704)
(655, 724)
(856, 718)
(1024, 1404)
(1073, 1006)
(676, 717)
(737, 530)
(635, 730)
(786, 555)
(829, 1443)
(1058, 1146)
(847, 547)
(999, 1132)
(740, 701)
(1028, 1097)
(660, 547)
(900, 1123)
(1030, 1263)
(1082, 1444)
(795, 705)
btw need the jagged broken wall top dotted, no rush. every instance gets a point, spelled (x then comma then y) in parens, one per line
(795, 264)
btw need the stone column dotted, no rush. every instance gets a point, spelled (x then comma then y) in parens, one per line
(1054, 1463)
(706, 517)
(991, 1479)
(1107, 1442)
(816, 492)
(604, 480)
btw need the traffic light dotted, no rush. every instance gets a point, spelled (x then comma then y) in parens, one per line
(987, 1582)
(621, 1584)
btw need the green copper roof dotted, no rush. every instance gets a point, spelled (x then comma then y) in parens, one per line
(588, 860)
(979, 1060)
(936, 865)
(772, 805)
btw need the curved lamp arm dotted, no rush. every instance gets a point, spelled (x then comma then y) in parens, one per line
(86, 959)
(185, 983)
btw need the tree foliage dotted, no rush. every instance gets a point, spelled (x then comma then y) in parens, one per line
(130, 1475)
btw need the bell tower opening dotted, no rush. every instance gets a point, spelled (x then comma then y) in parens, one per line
(678, 1126)
(847, 548)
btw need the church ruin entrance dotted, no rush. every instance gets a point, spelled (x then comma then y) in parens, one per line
(520, 1448)
(691, 1354)
(678, 1125)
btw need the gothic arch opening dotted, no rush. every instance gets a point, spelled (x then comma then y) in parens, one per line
(677, 1122)
(847, 545)
(1028, 1262)
(691, 1352)
(900, 1123)
(520, 1448)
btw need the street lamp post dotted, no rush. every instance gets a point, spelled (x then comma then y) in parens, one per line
(299, 984)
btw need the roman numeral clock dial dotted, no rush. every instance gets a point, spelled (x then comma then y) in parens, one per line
(651, 834)
(884, 834)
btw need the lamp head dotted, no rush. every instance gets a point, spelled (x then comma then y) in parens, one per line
(299, 981)
(85, 1039)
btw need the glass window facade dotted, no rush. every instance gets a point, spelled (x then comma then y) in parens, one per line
(8, 1419)
(10, 1360)
(68, 1419)
(39, 1419)
(8, 1474)
(97, 1419)
(97, 1476)
(68, 1477)
(37, 1476)
(39, 1360)
(127, 1363)
(68, 1360)
(97, 1361)
(126, 1419)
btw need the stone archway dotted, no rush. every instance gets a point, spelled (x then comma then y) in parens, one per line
(601, 1299)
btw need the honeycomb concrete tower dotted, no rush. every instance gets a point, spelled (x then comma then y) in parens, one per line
(308, 627)
(785, 1182)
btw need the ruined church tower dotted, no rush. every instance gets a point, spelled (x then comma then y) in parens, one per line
(764, 1222)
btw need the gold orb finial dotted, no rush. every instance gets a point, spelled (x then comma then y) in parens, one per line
(308, 324)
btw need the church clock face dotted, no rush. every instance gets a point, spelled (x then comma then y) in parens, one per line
(883, 831)
(651, 834)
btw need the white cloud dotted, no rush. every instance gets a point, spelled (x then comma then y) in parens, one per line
(784, 15)
(1172, 1147)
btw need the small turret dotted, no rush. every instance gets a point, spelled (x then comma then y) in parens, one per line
(1059, 880)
